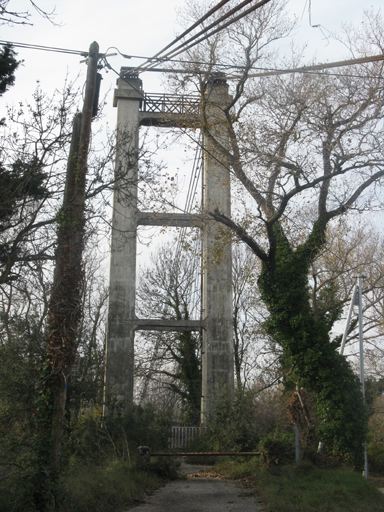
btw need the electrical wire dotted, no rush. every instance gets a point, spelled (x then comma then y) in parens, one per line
(276, 72)
(339, 64)
(264, 71)
(304, 69)
(44, 48)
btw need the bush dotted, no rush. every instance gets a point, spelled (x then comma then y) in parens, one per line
(234, 426)
(376, 456)
(111, 488)
(277, 449)
(93, 439)
(242, 420)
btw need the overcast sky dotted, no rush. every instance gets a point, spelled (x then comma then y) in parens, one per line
(140, 27)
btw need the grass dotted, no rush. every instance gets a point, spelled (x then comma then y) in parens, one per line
(306, 488)
(113, 488)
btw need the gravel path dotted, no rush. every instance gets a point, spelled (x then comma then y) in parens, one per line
(200, 494)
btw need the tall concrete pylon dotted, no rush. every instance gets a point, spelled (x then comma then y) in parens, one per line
(217, 353)
(135, 109)
(122, 277)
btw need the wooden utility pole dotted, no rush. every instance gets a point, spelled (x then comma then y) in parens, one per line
(65, 309)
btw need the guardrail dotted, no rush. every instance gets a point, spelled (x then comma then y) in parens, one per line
(170, 103)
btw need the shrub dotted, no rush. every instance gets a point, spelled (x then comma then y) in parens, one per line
(234, 424)
(93, 439)
(277, 448)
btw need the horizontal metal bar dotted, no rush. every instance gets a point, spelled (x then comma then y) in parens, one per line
(183, 454)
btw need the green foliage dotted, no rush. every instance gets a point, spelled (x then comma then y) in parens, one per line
(164, 467)
(329, 304)
(374, 388)
(19, 357)
(94, 440)
(96, 452)
(20, 181)
(234, 426)
(309, 358)
(306, 488)
(277, 448)
(375, 451)
(110, 488)
(8, 66)
(188, 373)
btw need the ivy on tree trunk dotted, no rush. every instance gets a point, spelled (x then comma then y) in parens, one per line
(309, 356)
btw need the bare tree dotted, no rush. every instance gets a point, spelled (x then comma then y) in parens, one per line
(18, 17)
(167, 289)
(296, 140)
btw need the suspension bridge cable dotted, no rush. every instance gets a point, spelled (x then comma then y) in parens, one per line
(219, 29)
(196, 24)
(305, 69)
(204, 30)
(195, 175)
(190, 194)
(310, 70)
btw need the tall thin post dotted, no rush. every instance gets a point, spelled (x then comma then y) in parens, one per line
(119, 350)
(65, 302)
(297, 443)
(355, 288)
(365, 473)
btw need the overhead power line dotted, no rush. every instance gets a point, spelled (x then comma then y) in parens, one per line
(264, 72)
(44, 48)
(316, 67)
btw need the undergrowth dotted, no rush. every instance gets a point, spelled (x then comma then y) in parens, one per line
(305, 488)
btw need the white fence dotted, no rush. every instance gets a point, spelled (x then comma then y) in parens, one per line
(182, 437)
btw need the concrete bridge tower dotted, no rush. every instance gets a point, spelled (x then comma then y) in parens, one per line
(135, 109)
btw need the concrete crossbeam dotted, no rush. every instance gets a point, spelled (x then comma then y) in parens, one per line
(141, 324)
(189, 220)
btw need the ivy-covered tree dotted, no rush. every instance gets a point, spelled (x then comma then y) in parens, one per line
(298, 143)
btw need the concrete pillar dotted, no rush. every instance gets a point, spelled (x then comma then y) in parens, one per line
(217, 353)
(122, 285)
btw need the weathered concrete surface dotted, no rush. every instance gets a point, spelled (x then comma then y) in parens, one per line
(119, 351)
(200, 494)
(217, 352)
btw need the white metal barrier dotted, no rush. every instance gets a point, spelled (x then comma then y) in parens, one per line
(182, 437)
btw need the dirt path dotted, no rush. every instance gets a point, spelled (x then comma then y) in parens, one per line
(200, 494)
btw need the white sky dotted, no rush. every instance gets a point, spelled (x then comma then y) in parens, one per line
(139, 27)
